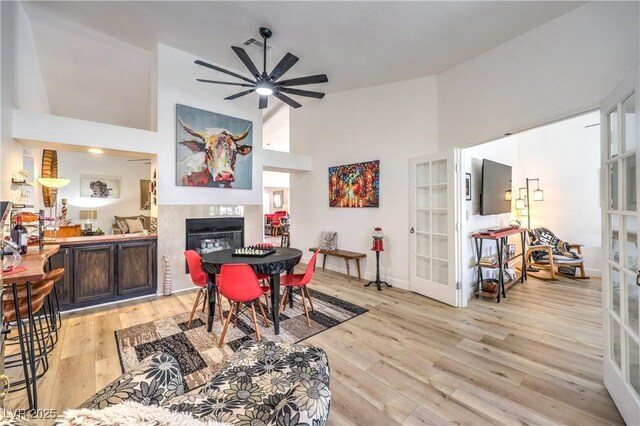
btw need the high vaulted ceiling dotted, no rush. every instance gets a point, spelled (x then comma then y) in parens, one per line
(357, 44)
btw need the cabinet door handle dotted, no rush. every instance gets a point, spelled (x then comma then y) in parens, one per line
(412, 230)
(5, 386)
(638, 279)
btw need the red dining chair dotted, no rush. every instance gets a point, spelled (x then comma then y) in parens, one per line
(239, 284)
(200, 279)
(291, 281)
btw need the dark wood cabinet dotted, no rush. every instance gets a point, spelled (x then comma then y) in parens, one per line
(135, 272)
(62, 259)
(93, 272)
(105, 271)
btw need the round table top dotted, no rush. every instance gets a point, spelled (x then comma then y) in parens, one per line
(282, 260)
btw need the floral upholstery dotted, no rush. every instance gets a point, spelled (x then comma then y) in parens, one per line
(265, 383)
(262, 383)
(156, 379)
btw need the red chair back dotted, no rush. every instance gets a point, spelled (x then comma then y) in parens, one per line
(198, 276)
(308, 273)
(264, 245)
(239, 283)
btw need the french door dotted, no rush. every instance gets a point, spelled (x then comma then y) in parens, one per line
(433, 238)
(621, 271)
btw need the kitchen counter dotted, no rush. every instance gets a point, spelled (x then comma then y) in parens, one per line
(97, 239)
(34, 261)
(105, 268)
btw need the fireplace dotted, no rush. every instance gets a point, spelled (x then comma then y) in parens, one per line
(212, 234)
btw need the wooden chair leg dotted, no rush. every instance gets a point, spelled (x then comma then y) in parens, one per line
(204, 299)
(304, 305)
(226, 326)
(195, 306)
(220, 307)
(309, 297)
(264, 316)
(283, 302)
(255, 321)
(266, 302)
(552, 267)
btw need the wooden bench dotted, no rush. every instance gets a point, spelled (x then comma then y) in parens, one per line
(346, 255)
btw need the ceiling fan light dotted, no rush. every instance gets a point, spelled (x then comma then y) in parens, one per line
(264, 91)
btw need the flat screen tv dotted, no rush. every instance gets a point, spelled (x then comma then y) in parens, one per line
(496, 179)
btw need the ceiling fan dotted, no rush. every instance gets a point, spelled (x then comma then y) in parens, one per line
(268, 84)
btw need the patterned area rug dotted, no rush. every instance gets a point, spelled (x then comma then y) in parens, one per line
(197, 350)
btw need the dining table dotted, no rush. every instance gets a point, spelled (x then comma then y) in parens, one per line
(283, 259)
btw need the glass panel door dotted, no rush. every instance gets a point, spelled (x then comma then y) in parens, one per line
(432, 259)
(621, 274)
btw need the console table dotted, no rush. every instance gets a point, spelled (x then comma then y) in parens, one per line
(503, 260)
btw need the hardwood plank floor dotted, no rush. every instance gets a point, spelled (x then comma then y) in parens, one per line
(535, 358)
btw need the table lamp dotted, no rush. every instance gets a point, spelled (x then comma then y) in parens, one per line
(54, 184)
(88, 215)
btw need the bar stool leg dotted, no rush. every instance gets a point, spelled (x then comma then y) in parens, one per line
(22, 342)
(34, 389)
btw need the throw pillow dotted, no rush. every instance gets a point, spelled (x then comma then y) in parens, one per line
(122, 224)
(134, 225)
(130, 413)
(328, 240)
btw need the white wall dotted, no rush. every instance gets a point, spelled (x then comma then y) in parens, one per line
(72, 165)
(22, 84)
(177, 85)
(390, 123)
(556, 70)
(276, 131)
(502, 151)
(565, 156)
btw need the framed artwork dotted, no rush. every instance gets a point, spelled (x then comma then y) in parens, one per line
(467, 186)
(212, 150)
(278, 199)
(99, 186)
(145, 194)
(355, 185)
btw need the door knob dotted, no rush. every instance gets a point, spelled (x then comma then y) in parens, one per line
(411, 230)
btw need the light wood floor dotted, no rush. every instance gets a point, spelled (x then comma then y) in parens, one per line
(535, 358)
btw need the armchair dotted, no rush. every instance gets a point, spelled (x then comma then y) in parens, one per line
(548, 252)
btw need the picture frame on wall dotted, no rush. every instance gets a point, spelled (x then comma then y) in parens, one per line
(355, 185)
(99, 186)
(145, 195)
(467, 186)
(213, 150)
(278, 199)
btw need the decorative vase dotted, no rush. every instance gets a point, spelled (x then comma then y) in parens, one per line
(63, 216)
(167, 286)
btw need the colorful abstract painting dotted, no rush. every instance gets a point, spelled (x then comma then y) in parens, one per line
(212, 150)
(355, 185)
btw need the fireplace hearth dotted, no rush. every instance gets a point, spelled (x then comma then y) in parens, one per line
(207, 235)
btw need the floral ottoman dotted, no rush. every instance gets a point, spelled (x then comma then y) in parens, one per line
(261, 383)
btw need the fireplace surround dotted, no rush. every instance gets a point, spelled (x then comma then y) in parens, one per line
(206, 235)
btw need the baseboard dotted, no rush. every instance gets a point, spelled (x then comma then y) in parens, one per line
(593, 272)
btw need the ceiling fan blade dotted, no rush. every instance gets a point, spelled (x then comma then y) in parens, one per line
(308, 93)
(283, 66)
(246, 60)
(222, 70)
(264, 100)
(237, 95)
(225, 82)
(310, 79)
(287, 100)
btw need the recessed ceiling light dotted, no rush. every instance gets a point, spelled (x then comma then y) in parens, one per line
(96, 151)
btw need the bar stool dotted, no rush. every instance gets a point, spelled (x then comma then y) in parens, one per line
(22, 306)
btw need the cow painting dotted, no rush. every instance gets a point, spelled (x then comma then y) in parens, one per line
(213, 153)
